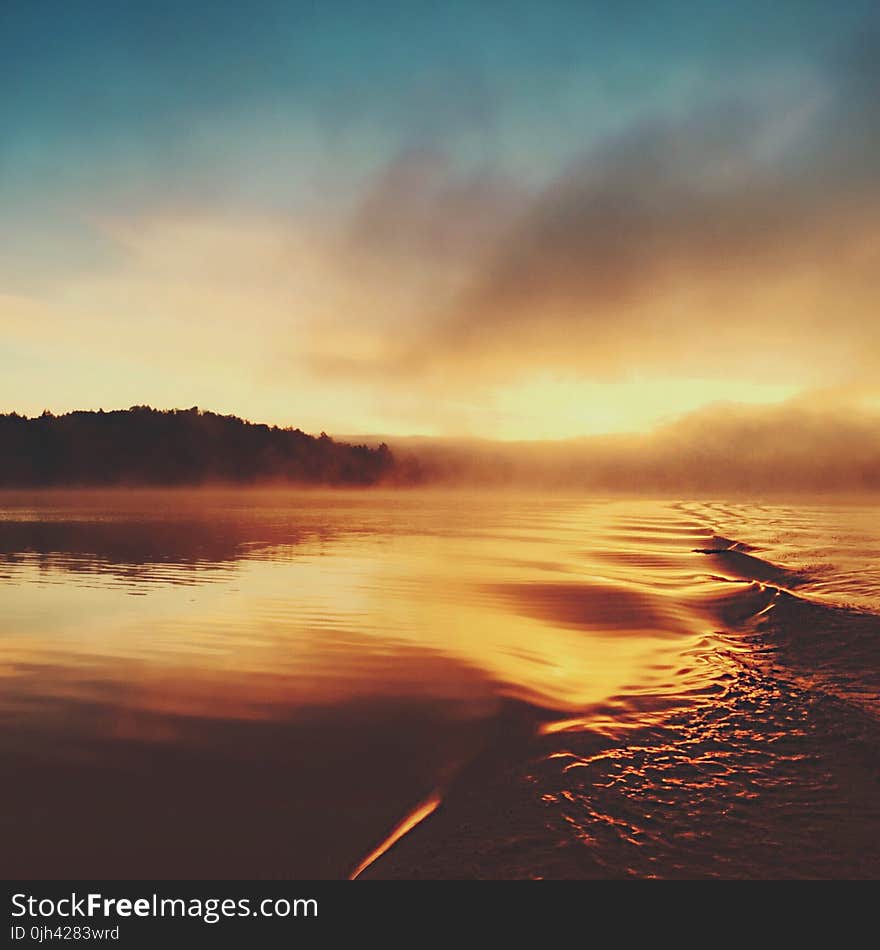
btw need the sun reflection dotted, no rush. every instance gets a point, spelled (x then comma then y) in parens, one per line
(417, 816)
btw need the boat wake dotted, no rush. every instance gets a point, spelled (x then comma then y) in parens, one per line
(767, 764)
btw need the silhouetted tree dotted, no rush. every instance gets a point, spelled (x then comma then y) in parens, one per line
(146, 446)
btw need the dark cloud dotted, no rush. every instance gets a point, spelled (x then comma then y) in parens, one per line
(706, 241)
(421, 212)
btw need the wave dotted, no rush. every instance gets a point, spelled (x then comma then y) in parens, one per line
(770, 769)
(747, 567)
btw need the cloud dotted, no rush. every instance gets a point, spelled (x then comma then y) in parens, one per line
(742, 238)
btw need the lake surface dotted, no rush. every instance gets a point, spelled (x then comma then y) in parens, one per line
(276, 684)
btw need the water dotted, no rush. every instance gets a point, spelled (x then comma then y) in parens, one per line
(280, 684)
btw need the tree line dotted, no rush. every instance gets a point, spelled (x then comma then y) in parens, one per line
(146, 446)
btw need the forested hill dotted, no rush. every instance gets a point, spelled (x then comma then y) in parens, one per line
(145, 446)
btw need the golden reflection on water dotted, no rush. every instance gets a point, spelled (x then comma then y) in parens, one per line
(324, 620)
(364, 644)
(424, 810)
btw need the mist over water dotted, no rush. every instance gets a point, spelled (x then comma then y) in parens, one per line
(266, 684)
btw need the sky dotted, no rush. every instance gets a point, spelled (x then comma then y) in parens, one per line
(496, 219)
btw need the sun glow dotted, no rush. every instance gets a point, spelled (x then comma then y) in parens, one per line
(561, 408)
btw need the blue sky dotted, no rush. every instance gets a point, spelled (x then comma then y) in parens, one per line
(128, 93)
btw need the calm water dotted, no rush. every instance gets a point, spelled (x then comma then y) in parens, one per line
(268, 684)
